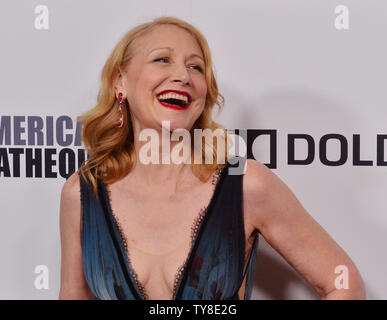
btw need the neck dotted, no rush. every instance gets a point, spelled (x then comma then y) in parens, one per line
(157, 162)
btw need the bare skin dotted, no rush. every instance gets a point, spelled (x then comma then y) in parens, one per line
(157, 204)
(157, 243)
(269, 207)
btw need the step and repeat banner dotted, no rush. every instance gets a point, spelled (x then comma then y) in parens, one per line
(305, 80)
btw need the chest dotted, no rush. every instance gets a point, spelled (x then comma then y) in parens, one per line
(157, 225)
(159, 233)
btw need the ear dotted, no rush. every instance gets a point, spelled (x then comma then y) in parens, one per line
(119, 84)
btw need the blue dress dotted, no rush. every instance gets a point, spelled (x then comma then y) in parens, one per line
(215, 266)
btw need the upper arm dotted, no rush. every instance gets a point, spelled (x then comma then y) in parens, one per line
(73, 282)
(281, 219)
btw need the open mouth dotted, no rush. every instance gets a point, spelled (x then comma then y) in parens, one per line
(174, 99)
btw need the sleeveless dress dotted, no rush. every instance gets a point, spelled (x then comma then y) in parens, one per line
(214, 268)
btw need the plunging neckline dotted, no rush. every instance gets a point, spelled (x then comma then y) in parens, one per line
(197, 226)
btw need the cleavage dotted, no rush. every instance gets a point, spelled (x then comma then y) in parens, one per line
(151, 235)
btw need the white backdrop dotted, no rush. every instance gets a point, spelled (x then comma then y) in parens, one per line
(281, 65)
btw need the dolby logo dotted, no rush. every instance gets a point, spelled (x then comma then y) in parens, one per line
(304, 149)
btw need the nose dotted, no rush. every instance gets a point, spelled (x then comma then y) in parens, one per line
(181, 75)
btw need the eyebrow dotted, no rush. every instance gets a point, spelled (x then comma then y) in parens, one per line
(171, 49)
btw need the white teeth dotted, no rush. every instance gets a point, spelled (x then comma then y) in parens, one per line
(171, 95)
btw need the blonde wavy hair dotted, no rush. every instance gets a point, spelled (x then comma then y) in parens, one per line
(111, 149)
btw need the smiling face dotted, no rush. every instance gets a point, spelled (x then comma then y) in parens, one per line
(167, 61)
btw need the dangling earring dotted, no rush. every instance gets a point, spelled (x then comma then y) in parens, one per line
(120, 122)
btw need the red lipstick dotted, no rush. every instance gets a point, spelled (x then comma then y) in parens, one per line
(185, 93)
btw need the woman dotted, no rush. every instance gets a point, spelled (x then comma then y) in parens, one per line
(137, 230)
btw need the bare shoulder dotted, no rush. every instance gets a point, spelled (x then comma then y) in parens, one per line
(70, 202)
(257, 175)
(71, 187)
(264, 193)
(258, 181)
(73, 283)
